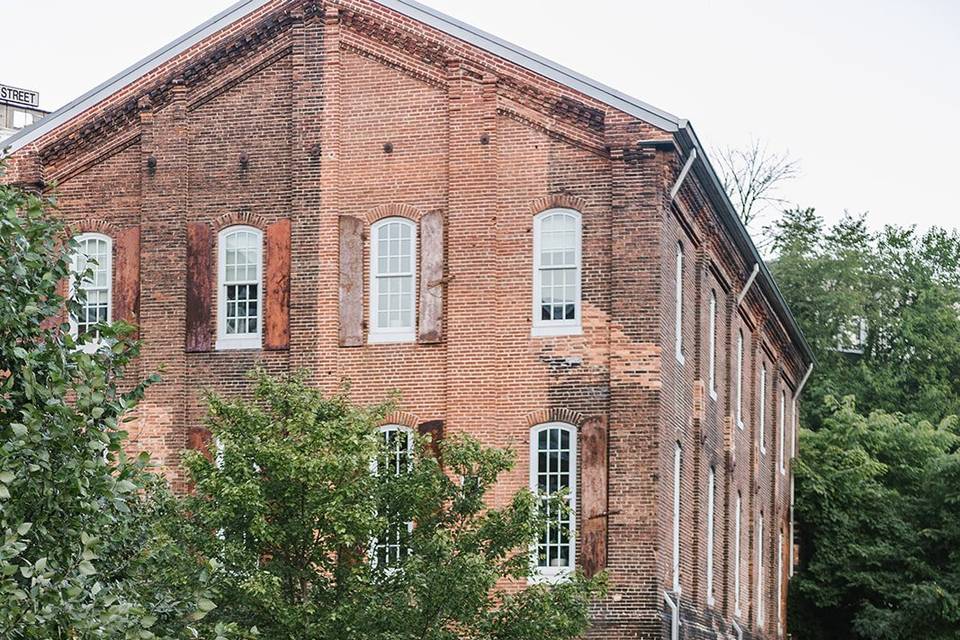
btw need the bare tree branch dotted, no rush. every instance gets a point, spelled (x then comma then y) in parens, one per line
(752, 177)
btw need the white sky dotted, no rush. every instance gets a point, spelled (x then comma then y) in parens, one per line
(865, 93)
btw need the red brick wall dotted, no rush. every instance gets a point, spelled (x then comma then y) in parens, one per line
(295, 124)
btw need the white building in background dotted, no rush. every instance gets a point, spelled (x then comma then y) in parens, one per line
(19, 108)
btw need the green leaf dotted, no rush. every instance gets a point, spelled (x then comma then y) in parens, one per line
(6, 477)
(86, 569)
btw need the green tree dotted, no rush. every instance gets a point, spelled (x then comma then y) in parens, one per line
(879, 499)
(303, 492)
(78, 518)
(903, 285)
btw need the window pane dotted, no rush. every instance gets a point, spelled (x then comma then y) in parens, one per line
(554, 472)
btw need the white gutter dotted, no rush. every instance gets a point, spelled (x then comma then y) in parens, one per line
(674, 615)
(683, 174)
(738, 629)
(746, 287)
(803, 382)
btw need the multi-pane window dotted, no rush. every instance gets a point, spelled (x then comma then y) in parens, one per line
(395, 458)
(93, 256)
(711, 506)
(763, 409)
(553, 470)
(393, 266)
(712, 342)
(677, 470)
(556, 273)
(760, 570)
(781, 428)
(240, 292)
(678, 302)
(737, 559)
(740, 378)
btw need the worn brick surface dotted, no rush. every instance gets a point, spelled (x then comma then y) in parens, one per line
(288, 115)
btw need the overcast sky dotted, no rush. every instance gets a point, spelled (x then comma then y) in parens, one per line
(864, 93)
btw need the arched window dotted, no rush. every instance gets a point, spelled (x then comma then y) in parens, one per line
(556, 272)
(760, 570)
(712, 342)
(395, 458)
(737, 557)
(94, 252)
(240, 295)
(763, 408)
(393, 289)
(740, 378)
(711, 508)
(780, 582)
(678, 301)
(781, 429)
(553, 468)
(677, 471)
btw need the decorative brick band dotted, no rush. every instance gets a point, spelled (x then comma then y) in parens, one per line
(393, 210)
(239, 217)
(557, 201)
(402, 418)
(542, 416)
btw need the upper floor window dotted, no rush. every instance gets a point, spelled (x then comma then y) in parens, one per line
(240, 264)
(712, 345)
(677, 470)
(556, 272)
(395, 458)
(763, 408)
(739, 406)
(553, 469)
(711, 507)
(678, 301)
(94, 253)
(781, 428)
(393, 264)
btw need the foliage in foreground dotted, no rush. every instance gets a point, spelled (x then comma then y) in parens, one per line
(879, 499)
(293, 507)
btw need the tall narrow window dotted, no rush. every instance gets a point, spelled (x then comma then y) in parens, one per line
(712, 342)
(395, 458)
(678, 312)
(760, 570)
(780, 582)
(553, 469)
(737, 559)
(781, 428)
(793, 423)
(94, 252)
(556, 272)
(677, 467)
(240, 260)
(711, 502)
(740, 378)
(393, 265)
(763, 408)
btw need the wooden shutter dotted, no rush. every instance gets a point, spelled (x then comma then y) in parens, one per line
(277, 303)
(351, 282)
(126, 276)
(199, 286)
(593, 474)
(431, 278)
(434, 429)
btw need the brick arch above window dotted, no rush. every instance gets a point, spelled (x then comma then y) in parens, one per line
(93, 225)
(557, 201)
(402, 419)
(543, 416)
(236, 218)
(393, 211)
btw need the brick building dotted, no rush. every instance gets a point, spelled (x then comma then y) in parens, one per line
(370, 190)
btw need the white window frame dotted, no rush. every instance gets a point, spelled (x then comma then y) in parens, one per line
(780, 582)
(781, 429)
(92, 345)
(677, 482)
(555, 574)
(737, 554)
(711, 516)
(387, 335)
(540, 327)
(763, 409)
(793, 422)
(678, 310)
(712, 342)
(739, 406)
(227, 341)
(760, 570)
(374, 468)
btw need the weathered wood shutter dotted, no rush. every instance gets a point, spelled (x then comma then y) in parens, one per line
(199, 286)
(351, 281)
(431, 278)
(594, 474)
(126, 275)
(277, 301)
(434, 429)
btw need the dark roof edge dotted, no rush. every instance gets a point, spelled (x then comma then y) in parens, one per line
(687, 139)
